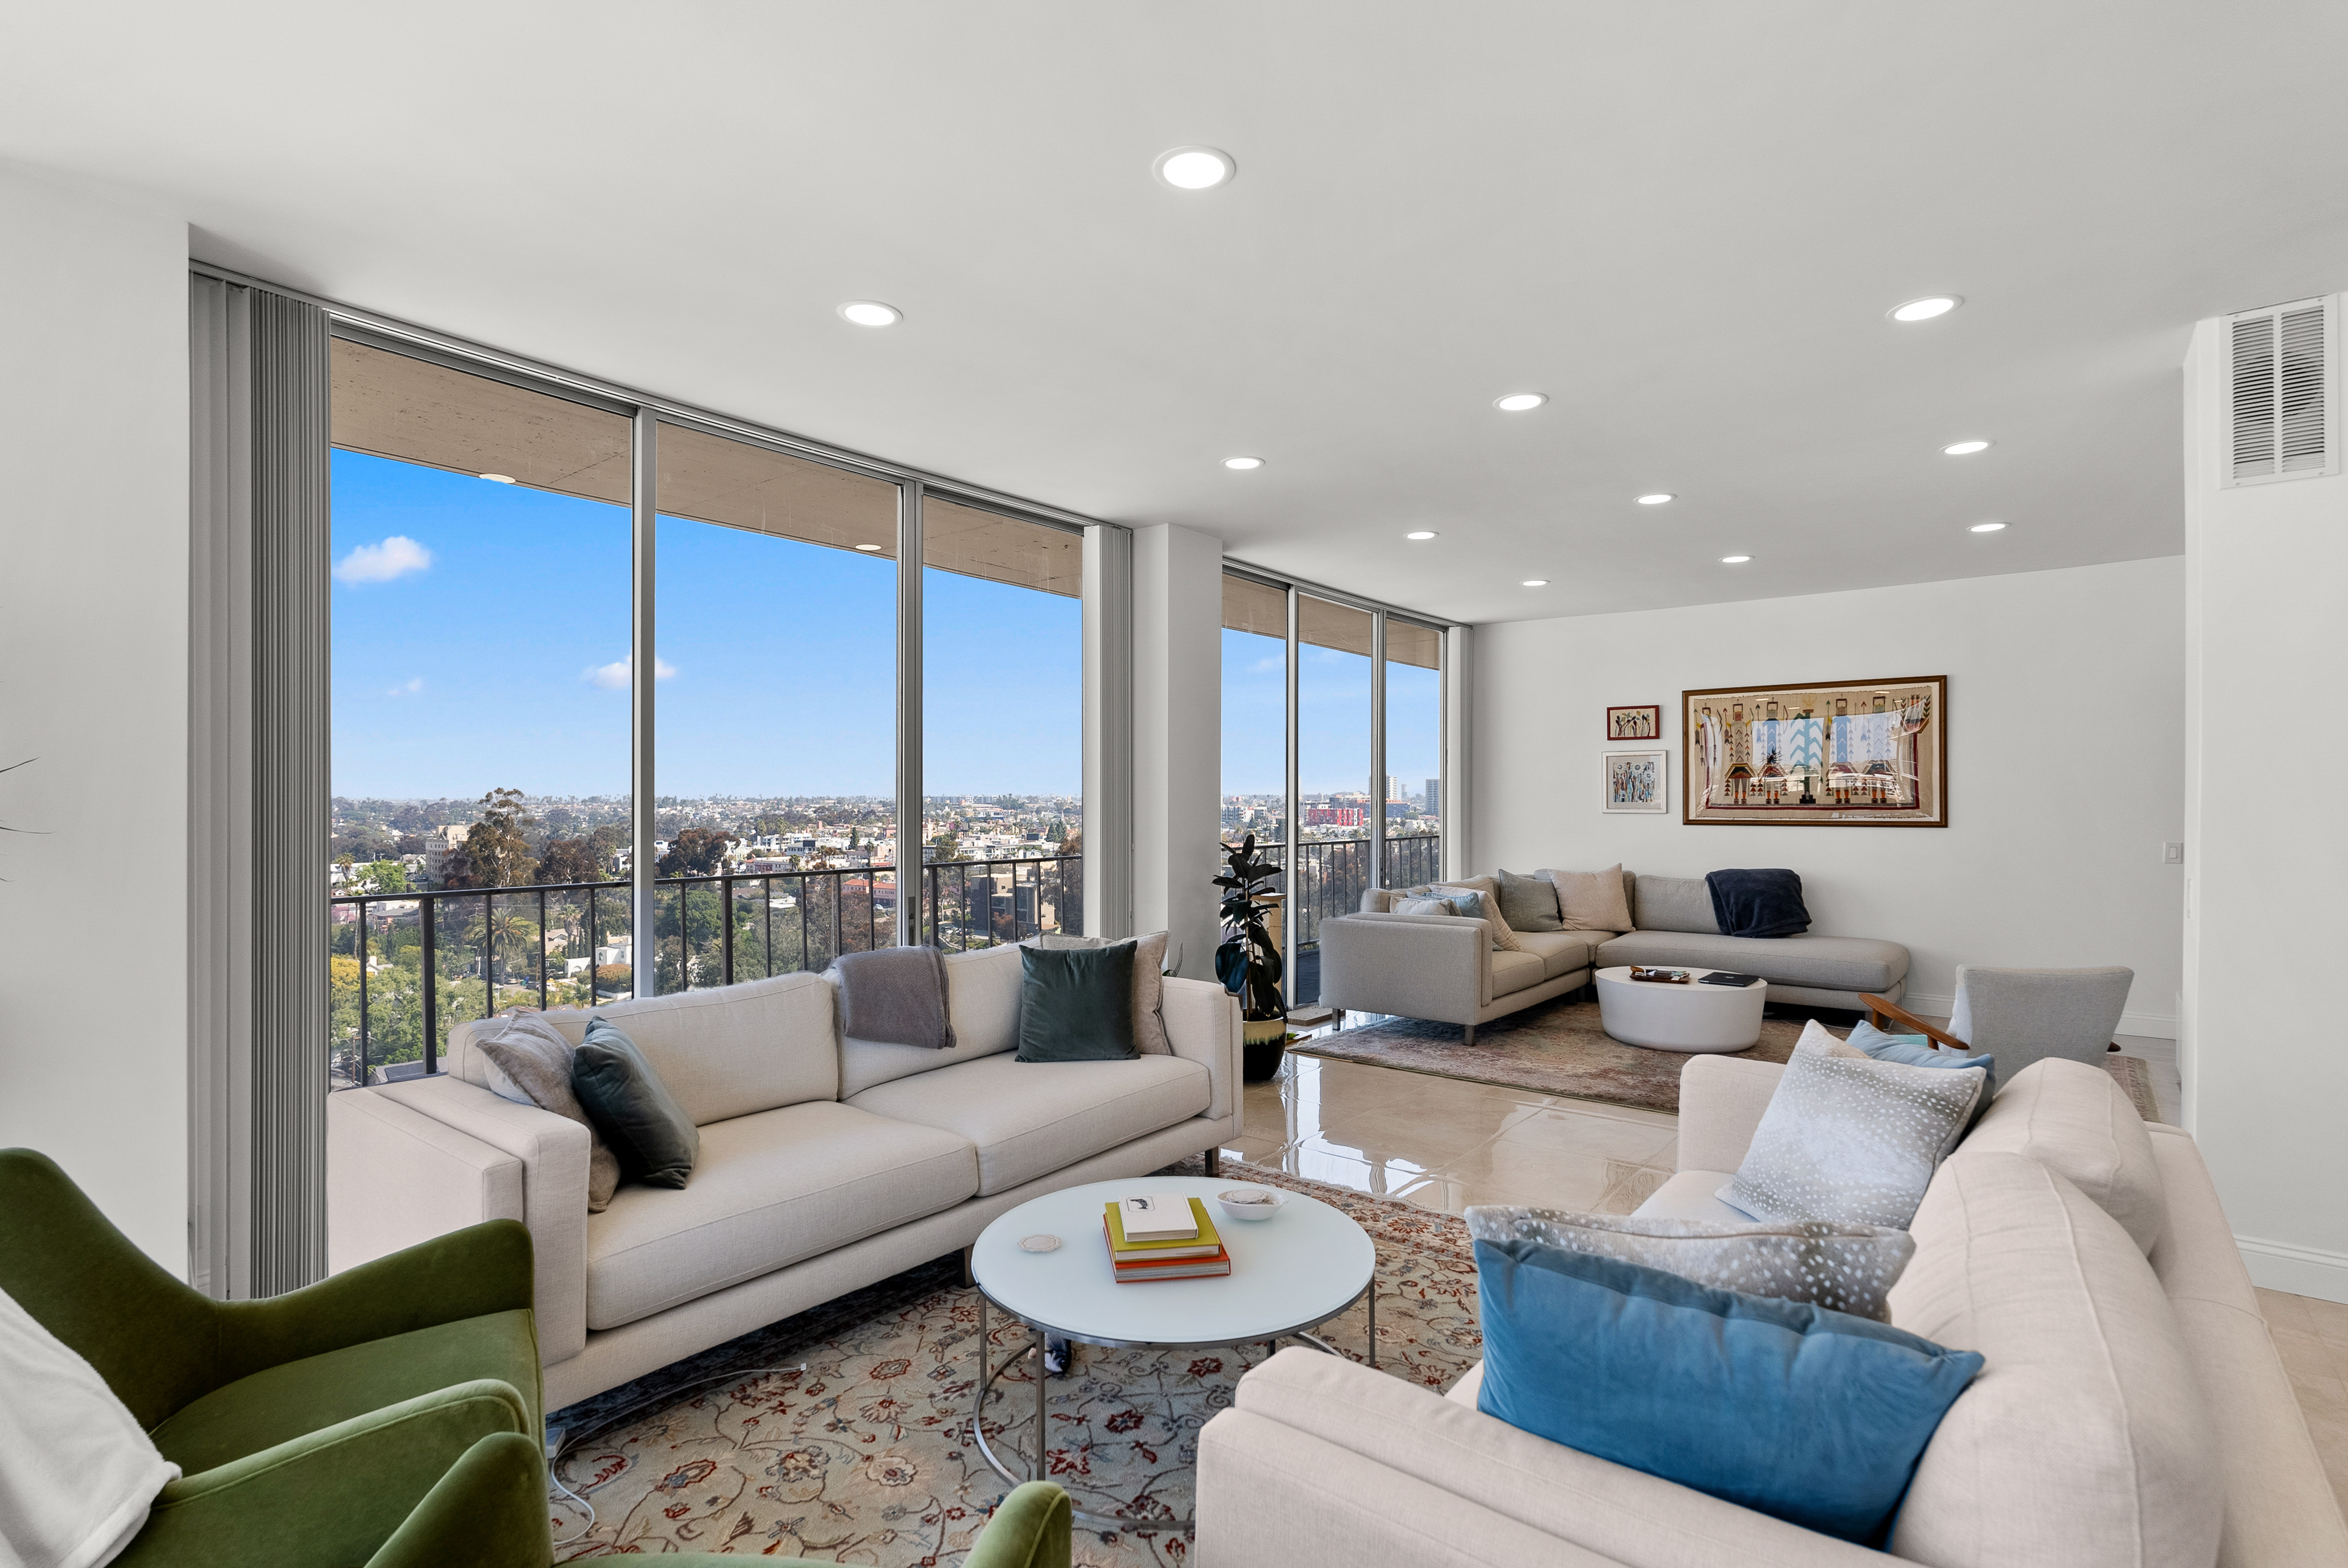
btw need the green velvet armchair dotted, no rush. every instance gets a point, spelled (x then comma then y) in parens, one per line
(309, 1426)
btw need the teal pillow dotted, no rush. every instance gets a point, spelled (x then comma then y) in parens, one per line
(1075, 1004)
(656, 1141)
(1811, 1416)
(1915, 1050)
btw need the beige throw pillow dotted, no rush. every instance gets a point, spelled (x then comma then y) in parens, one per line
(1150, 1035)
(1591, 900)
(532, 1055)
(1503, 938)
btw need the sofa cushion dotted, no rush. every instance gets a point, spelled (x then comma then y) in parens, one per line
(771, 1189)
(1832, 963)
(1529, 903)
(1852, 1141)
(2085, 1439)
(2072, 1117)
(983, 1005)
(723, 1053)
(1076, 1005)
(1561, 952)
(1028, 1119)
(1677, 904)
(296, 1398)
(1592, 900)
(1693, 1196)
(1515, 971)
(656, 1141)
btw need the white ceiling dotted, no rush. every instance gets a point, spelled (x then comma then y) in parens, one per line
(1685, 221)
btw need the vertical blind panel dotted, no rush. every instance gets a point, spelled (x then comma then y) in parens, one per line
(1326, 625)
(738, 485)
(1254, 607)
(975, 543)
(391, 405)
(1408, 642)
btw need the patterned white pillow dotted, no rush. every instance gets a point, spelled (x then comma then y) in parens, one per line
(1848, 1268)
(1423, 906)
(1852, 1142)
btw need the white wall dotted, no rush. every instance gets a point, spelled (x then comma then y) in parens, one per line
(93, 686)
(1178, 727)
(2065, 733)
(2262, 1048)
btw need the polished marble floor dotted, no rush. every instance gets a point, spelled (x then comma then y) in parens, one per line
(1444, 1144)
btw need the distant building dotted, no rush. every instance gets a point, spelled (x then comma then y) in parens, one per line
(1235, 817)
(440, 844)
(1435, 797)
(1332, 817)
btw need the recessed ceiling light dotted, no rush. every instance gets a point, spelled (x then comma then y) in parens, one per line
(870, 313)
(1536, 582)
(1517, 401)
(1242, 462)
(1985, 528)
(1421, 534)
(1195, 167)
(1924, 310)
(1735, 561)
(1965, 448)
(499, 478)
(1657, 500)
(868, 547)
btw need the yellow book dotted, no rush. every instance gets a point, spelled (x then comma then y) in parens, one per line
(1205, 1244)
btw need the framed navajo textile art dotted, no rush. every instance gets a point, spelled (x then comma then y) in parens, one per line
(1837, 754)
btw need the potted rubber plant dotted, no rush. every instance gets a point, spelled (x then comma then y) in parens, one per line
(1247, 961)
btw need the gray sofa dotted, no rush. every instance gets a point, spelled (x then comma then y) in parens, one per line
(1442, 969)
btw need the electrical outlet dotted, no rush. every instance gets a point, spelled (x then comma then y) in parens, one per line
(2172, 854)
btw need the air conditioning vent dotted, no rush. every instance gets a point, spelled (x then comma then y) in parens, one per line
(2278, 378)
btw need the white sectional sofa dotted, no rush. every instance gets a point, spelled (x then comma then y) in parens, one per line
(826, 1163)
(2132, 1412)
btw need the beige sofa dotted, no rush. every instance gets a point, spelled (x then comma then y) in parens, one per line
(826, 1163)
(2133, 1411)
(1443, 969)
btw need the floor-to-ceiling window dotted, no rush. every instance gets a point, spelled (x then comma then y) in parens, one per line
(480, 597)
(1414, 759)
(1002, 726)
(776, 621)
(1334, 774)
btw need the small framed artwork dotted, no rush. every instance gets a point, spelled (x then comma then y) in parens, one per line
(1646, 723)
(1634, 780)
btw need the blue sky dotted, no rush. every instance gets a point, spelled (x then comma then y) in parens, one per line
(1332, 728)
(480, 632)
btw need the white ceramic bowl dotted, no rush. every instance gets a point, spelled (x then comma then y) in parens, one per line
(1250, 1212)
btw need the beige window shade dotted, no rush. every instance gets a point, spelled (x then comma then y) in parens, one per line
(390, 405)
(1327, 625)
(1408, 643)
(711, 479)
(1256, 607)
(959, 538)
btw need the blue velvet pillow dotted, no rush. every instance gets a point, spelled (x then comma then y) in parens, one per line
(1915, 1050)
(1815, 1417)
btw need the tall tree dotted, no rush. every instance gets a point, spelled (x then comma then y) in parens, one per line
(695, 852)
(496, 853)
(572, 860)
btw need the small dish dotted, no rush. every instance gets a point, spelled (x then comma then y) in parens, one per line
(1251, 1203)
(1039, 1244)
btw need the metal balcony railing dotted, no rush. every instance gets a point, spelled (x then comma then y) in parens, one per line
(1331, 875)
(407, 967)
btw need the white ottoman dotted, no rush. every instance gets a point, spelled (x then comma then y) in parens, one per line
(1691, 1018)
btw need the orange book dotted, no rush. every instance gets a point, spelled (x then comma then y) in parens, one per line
(1143, 1270)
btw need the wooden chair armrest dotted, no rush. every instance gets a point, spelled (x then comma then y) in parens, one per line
(1880, 1012)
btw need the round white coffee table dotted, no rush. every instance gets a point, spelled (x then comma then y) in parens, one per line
(1290, 1274)
(1691, 1018)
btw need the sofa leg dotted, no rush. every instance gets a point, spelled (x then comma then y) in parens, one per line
(968, 1279)
(1467, 1034)
(1214, 1163)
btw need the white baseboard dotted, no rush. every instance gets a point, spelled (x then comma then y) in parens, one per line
(2151, 1026)
(2300, 1270)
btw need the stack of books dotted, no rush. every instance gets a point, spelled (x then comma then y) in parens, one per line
(1162, 1236)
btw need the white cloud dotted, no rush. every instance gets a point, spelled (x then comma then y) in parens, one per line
(407, 687)
(396, 556)
(613, 677)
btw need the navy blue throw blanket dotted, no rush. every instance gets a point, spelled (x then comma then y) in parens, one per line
(1757, 903)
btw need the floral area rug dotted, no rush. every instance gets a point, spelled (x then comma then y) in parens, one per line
(1556, 1047)
(841, 1434)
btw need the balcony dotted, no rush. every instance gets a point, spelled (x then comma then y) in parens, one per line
(1331, 875)
(407, 968)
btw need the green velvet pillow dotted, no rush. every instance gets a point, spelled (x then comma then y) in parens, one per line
(1075, 1004)
(656, 1141)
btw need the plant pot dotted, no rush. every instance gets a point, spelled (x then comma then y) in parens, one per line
(1263, 1042)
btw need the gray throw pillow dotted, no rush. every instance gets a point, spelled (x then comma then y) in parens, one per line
(533, 1059)
(1529, 903)
(656, 1141)
(1149, 1036)
(1847, 1268)
(1077, 1004)
(1407, 905)
(1850, 1141)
